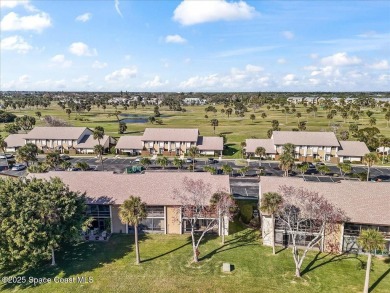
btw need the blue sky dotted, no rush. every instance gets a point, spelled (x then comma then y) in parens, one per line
(189, 46)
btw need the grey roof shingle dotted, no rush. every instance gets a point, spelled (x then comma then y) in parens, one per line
(309, 138)
(363, 202)
(55, 133)
(15, 140)
(88, 142)
(353, 148)
(252, 144)
(129, 142)
(154, 188)
(210, 143)
(171, 134)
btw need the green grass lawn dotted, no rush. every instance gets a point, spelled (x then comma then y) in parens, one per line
(166, 267)
(237, 129)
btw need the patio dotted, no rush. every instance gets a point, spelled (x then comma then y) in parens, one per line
(95, 235)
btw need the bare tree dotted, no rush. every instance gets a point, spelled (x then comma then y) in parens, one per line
(226, 207)
(303, 214)
(194, 201)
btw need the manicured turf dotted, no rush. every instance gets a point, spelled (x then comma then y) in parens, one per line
(166, 267)
(237, 129)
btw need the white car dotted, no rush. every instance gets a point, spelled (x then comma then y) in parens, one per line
(6, 156)
(137, 160)
(18, 167)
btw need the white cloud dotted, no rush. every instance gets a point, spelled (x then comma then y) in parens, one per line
(326, 71)
(155, 82)
(314, 81)
(59, 60)
(117, 8)
(249, 78)
(281, 61)
(340, 59)
(122, 74)
(253, 68)
(195, 12)
(81, 79)
(288, 35)
(175, 39)
(15, 43)
(99, 65)
(310, 67)
(290, 79)
(13, 3)
(313, 55)
(381, 65)
(244, 51)
(50, 84)
(81, 49)
(37, 22)
(84, 17)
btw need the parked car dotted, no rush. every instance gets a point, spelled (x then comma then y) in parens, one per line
(74, 169)
(211, 161)
(6, 156)
(190, 161)
(320, 164)
(64, 157)
(18, 167)
(311, 165)
(137, 160)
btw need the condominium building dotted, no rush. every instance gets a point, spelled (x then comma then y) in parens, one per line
(170, 142)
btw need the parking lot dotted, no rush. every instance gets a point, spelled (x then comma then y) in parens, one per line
(242, 187)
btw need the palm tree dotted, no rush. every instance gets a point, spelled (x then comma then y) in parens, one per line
(98, 133)
(177, 162)
(132, 212)
(145, 162)
(387, 117)
(3, 146)
(98, 150)
(370, 240)
(370, 159)
(163, 162)
(260, 152)
(286, 159)
(243, 146)
(68, 111)
(214, 123)
(227, 169)
(193, 152)
(270, 203)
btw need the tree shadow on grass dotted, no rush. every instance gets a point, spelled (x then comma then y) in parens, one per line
(168, 252)
(379, 280)
(247, 238)
(77, 259)
(334, 258)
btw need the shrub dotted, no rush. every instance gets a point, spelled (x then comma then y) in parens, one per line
(113, 150)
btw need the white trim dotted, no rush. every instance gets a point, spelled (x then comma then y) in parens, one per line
(112, 224)
(165, 220)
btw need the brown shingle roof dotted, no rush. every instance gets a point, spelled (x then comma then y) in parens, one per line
(55, 133)
(309, 138)
(252, 144)
(210, 143)
(154, 188)
(129, 142)
(170, 134)
(363, 202)
(353, 148)
(15, 140)
(88, 142)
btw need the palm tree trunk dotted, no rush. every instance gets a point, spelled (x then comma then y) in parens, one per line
(367, 280)
(136, 245)
(53, 259)
(368, 172)
(273, 233)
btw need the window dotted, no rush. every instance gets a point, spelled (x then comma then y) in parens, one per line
(155, 220)
(96, 210)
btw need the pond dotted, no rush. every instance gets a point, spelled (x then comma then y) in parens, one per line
(134, 118)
